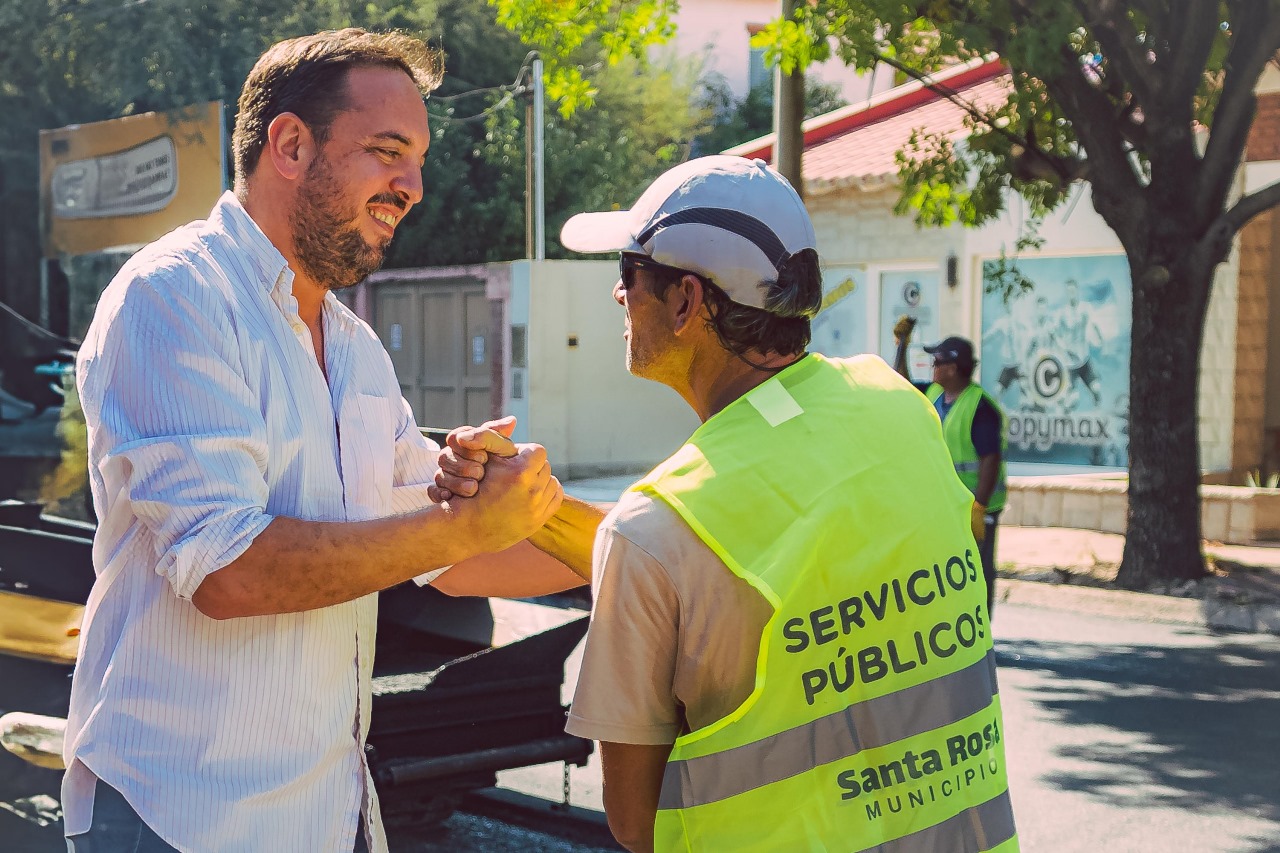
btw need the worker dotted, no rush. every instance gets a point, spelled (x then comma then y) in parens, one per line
(976, 431)
(788, 647)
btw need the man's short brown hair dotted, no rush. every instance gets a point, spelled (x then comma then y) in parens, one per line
(307, 76)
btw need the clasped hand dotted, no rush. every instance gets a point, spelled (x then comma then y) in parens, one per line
(518, 490)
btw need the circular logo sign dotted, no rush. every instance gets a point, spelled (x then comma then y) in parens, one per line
(1049, 377)
(911, 293)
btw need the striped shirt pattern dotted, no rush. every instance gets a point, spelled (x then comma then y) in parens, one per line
(209, 416)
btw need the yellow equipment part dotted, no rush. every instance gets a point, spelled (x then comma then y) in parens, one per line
(39, 628)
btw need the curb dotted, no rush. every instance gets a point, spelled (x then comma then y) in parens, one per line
(1214, 614)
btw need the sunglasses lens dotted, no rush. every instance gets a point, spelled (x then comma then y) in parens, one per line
(627, 272)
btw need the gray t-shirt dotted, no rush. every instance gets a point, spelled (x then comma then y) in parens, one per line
(674, 634)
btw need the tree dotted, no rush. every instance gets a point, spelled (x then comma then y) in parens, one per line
(739, 120)
(76, 62)
(1150, 103)
(89, 60)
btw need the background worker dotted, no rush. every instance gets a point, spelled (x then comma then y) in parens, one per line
(976, 432)
(258, 477)
(748, 665)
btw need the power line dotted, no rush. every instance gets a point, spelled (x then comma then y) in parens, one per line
(520, 86)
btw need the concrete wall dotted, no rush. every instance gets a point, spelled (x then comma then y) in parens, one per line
(720, 30)
(594, 417)
(858, 228)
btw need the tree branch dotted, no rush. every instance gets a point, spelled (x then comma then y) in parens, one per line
(1119, 40)
(1256, 202)
(1094, 122)
(1254, 43)
(1196, 27)
(1065, 170)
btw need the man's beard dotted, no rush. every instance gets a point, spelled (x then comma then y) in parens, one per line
(330, 247)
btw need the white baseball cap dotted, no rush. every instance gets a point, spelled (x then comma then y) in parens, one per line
(731, 220)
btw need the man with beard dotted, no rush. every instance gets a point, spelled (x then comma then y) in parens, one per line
(259, 478)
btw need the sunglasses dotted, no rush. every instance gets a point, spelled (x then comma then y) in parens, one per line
(628, 264)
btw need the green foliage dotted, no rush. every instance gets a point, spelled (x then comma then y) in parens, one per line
(1256, 480)
(76, 62)
(1028, 144)
(739, 120)
(575, 34)
(641, 124)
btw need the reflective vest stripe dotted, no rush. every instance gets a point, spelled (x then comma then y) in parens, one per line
(913, 710)
(982, 827)
(966, 467)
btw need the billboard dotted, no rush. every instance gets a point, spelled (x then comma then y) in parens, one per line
(914, 293)
(1057, 359)
(127, 181)
(840, 328)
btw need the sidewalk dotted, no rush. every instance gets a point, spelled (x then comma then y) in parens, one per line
(1066, 569)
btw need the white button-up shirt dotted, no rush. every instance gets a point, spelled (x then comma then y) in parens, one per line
(208, 416)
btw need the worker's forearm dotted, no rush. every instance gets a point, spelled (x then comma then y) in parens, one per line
(988, 476)
(570, 533)
(521, 571)
(296, 565)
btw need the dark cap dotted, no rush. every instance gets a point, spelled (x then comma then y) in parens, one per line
(953, 350)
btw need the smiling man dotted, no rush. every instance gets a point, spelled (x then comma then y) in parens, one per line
(259, 478)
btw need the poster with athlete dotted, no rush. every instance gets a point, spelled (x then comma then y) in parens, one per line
(1057, 359)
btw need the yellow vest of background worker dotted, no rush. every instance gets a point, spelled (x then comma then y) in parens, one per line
(875, 719)
(957, 431)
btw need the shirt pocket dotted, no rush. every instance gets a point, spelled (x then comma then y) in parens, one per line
(372, 447)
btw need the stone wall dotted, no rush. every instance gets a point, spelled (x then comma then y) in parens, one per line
(1232, 515)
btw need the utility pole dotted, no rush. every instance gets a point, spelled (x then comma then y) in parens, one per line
(535, 217)
(788, 117)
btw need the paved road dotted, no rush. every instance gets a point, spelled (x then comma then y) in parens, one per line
(1126, 736)
(468, 833)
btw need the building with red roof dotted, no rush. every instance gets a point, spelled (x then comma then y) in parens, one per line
(1058, 356)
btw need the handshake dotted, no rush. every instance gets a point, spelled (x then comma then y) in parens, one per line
(509, 491)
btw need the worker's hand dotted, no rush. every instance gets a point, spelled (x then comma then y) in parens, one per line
(518, 498)
(466, 452)
(978, 521)
(903, 327)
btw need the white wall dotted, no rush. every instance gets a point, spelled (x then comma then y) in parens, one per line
(593, 416)
(717, 29)
(858, 228)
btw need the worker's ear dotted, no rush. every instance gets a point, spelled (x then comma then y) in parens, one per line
(685, 301)
(290, 146)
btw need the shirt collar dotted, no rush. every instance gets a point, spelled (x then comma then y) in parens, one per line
(270, 266)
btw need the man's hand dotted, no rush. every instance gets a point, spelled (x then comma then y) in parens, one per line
(519, 496)
(978, 521)
(466, 452)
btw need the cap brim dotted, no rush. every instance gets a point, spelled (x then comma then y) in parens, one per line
(607, 231)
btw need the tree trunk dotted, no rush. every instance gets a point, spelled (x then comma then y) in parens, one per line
(1163, 541)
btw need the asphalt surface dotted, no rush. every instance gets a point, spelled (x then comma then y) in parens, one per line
(1130, 736)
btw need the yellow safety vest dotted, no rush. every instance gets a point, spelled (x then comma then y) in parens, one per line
(957, 431)
(875, 719)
